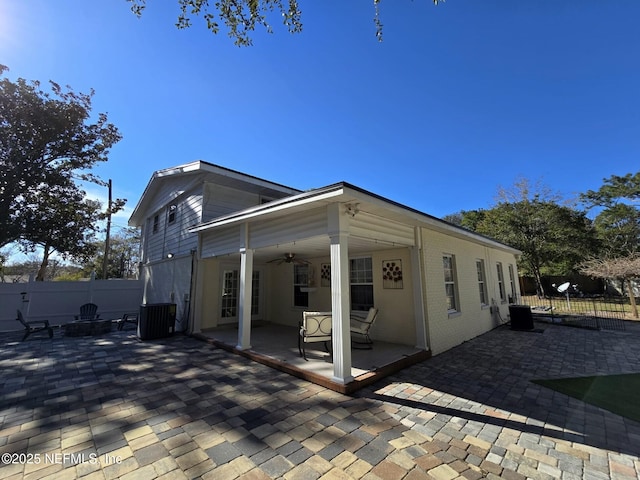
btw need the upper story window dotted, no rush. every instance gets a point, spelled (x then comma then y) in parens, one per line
(482, 282)
(156, 223)
(361, 279)
(450, 286)
(171, 218)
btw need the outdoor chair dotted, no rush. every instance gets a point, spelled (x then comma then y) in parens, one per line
(128, 318)
(360, 325)
(315, 327)
(88, 311)
(34, 326)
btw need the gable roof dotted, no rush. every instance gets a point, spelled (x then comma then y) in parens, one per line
(214, 172)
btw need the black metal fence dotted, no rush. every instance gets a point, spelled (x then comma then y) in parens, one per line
(593, 311)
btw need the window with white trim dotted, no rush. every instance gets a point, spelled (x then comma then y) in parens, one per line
(482, 282)
(450, 287)
(512, 280)
(361, 280)
(503, 297)
(300, 282)
(156, 223)
(173, 209)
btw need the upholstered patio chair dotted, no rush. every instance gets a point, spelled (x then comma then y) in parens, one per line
(360, 326)
(315, 327)
(88, 311)
(34, 326)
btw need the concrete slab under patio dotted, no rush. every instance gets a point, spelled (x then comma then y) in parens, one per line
(277, 346)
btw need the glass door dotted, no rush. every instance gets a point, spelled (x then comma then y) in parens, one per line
(231, 292)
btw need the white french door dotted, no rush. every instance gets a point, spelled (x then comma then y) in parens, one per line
(230, 283)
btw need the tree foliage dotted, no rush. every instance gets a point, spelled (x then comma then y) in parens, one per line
(618, 228)
(63, 222)
(618, 224)
(124, 256)
(48, 140)
(615, 190)
(553, 238)
(242, 17)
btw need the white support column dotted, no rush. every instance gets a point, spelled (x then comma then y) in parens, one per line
(244, 297)
(418, 298)
(340, 294)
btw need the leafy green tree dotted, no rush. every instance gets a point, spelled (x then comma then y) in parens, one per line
(47, 139)
(64, 222)
(616, 189)
(618, 228)
(618, 224)
(124, 256)
(241, 17)
(554, 239)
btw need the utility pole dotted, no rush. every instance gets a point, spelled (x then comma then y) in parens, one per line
(105, 261)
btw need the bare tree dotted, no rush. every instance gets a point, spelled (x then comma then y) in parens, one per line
(627, 269)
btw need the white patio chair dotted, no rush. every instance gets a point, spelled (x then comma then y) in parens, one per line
(315, 327)
(360, 325)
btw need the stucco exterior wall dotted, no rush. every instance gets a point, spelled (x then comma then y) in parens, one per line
(445, 329)
(207, 299)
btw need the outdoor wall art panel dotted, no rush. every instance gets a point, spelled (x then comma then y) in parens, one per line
(392, 274)
(325, 275)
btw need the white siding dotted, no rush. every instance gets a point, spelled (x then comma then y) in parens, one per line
(169, 282)
(372, 227)
(220, 242)
(171, 189)
(221, 200)
(289, 228)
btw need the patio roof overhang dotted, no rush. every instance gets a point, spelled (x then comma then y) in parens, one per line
(356, 202)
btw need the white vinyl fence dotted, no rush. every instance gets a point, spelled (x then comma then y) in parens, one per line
(59, 302)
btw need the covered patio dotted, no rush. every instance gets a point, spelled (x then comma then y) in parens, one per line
(276, 346)
(325, 229)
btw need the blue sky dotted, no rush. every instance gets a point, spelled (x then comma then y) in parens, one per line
(458, 100)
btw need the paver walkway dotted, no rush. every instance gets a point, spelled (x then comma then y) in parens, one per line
(115, 407)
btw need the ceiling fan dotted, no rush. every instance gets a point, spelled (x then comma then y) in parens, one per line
(289, 258)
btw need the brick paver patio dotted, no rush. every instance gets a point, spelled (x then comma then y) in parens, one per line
(114, 407)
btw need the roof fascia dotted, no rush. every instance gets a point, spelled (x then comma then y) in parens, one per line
(311, 196)
(426, 219)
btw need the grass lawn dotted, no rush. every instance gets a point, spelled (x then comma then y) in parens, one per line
(617, 393)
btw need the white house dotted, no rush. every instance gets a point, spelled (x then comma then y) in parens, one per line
(232, 248)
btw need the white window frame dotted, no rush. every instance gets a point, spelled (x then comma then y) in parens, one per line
(482, 282)
(501, 290)
(450, 283)
(172, 213)
(360, 277)
(512, 279)
(300, 281)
